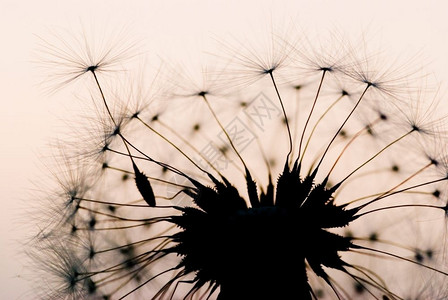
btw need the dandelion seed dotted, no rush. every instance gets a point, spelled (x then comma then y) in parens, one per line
(83, 53)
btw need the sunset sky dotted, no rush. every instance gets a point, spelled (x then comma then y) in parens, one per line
(30, 119)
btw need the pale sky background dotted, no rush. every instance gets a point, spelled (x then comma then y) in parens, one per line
(29, 119)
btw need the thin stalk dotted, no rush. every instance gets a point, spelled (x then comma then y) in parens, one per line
(381, 196)
(342, 125)
(284, 115)
(311, 112)
(400, 206)
(376, 155)
(359, 133)
(189, 145)
(173, 145)
(317, 123)
(223, 129)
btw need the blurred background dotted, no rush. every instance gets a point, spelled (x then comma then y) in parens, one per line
(30, 119)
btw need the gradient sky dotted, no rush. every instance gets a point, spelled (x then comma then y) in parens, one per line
(29, 119)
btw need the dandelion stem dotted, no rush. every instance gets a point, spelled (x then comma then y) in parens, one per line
(162, 291)
(152, 220)
(401, 258)
(382, 193)
(407, 189)
(164, 165)
(342, 125)
(145, 282)
(359, 280)
(223, 129)
(123, 227)
(284, 115)
(102, 96)
(359, 133)
(92, 70)
(118, 169)
(399, 206)
(372, 282)
(381, 196)
(374, 156)
(117, 267)
(134, 272)
(317, 123)
(133, 156)
(173, 145)
(132, 244)
(123, 204)
(189, 145)
(297, 117)
(367, 271)
(149, 177)
(311, 112)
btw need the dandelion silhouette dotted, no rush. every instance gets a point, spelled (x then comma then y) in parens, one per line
(363, 162)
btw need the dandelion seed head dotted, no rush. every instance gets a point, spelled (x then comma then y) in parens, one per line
(342, 209)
